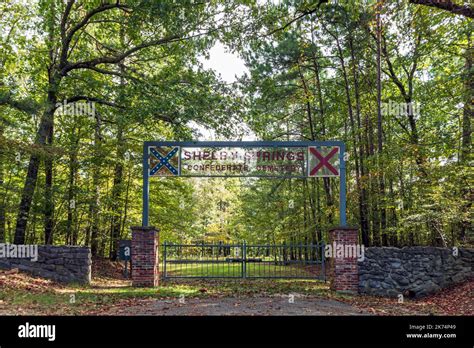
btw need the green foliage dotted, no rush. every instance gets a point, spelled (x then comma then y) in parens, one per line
(312, 75)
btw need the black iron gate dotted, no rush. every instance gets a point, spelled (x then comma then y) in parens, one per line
(296, 261)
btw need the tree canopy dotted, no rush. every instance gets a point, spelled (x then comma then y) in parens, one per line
(84, 83)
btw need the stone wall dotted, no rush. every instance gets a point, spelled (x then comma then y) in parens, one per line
(412, 271)
(65, 264)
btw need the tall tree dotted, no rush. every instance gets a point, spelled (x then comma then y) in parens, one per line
(448, 5)
(383, 213)
(71, 54)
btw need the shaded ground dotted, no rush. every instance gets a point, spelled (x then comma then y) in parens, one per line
(252, 306)
(110, 293)
(456, 300)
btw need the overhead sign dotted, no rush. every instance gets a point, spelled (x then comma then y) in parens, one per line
(269, 159)
(249, 161)
(164, 160)
(323, 161)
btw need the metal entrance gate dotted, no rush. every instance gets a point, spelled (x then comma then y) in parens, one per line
(243, 261)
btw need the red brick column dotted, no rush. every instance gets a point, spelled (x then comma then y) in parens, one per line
(343, 271)
(145, 259)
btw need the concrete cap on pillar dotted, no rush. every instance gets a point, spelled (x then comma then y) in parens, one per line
(144, 228)
(344, 228)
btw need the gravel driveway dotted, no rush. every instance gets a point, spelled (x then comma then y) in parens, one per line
(274, 305)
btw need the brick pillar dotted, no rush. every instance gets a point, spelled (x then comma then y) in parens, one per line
(145, 259)
(343, 271)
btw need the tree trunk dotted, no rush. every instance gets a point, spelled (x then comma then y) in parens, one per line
(94, 202)
(3, 200)
(393, 220)
(71, 231)
(44, 130)
(127, 201)
(468, 111)
(48, 192)
(466, 143)
(117, 194)
(381, 176)
(319, 222)
(448, 5)
(326, 181)
(48, 157)
(373, 182)
(363, 204)
(44, 136)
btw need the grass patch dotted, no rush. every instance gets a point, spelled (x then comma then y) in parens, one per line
(41, 299)
(235, 269)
